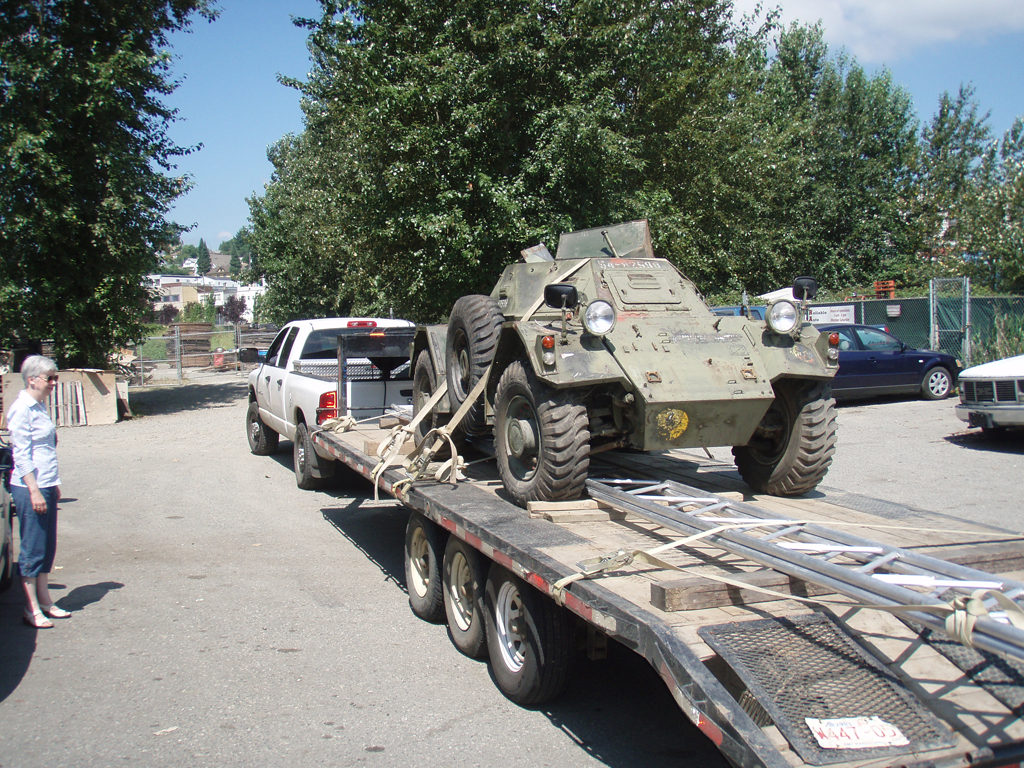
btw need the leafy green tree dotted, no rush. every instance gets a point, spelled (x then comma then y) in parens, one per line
(203, 262)
(954, 144)
(992, 215)
(86, 167)
(441, 138)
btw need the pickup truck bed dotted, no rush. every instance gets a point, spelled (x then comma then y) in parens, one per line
(745, 667)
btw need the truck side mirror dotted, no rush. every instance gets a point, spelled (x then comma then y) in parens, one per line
(561, 296)
(248, 355)
(805, 288)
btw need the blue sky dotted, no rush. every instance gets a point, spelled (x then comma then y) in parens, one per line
(231, 102)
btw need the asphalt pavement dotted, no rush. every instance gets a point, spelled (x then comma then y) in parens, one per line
(224, 618)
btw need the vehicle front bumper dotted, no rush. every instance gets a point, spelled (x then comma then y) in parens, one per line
(977, 415)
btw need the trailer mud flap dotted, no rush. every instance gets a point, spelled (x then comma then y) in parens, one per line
(808, 668)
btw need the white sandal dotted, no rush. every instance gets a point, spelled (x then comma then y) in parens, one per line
(54, 611)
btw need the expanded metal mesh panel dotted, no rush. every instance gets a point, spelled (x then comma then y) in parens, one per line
(809, 667)
(1000, 675)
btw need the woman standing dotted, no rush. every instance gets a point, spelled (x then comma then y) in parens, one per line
(35, 487)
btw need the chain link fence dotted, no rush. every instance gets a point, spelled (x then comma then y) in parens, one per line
(189, 352)
(975, 330)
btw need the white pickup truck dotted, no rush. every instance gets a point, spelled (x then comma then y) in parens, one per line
(315, 370)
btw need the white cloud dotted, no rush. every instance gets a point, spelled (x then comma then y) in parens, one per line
(879, 31)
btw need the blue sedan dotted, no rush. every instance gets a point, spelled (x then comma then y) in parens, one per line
(873, 362)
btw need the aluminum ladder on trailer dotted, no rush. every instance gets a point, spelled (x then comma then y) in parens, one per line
(866, 571)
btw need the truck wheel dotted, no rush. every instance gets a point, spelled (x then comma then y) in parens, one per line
(262, 439)
(308, 472)
(529, 640)
(465, 573)
(473, 329)
(936, 384)
(542, 440)
(792, 447)
(424, 545)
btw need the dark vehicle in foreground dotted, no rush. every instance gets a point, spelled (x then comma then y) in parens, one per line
(6, 514)
(873, 363)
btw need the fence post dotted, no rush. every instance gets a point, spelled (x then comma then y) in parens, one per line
(177, 350)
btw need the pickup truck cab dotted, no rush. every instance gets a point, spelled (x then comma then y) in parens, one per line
(299, 384)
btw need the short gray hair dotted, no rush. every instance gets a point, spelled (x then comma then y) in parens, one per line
(36, 365)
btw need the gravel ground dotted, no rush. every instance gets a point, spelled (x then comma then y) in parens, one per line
(222, 617)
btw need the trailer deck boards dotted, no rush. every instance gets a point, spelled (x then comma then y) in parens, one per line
(676, 618)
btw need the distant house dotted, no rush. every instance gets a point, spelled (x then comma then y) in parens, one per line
(180, 290)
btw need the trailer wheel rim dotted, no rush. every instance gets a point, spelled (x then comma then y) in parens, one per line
(460, 591)
(419, 560)
(508, 615)
(522, 432)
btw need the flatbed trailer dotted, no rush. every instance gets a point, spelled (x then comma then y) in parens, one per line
(770, 680)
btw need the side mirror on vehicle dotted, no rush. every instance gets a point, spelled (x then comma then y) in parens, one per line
(805, 288)
(561, 296)
(248, 355)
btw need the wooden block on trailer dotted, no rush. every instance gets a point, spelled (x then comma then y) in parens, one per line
(389, 422)
(579, 511)
(370, 447)
(694, 592)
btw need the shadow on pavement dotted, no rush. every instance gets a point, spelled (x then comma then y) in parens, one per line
(997, 441)
(187, 397)
(604, 700)
(19, 640)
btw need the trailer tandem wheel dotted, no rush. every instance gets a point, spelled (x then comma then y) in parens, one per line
(464, 574)
(529, 639)
(424, 548)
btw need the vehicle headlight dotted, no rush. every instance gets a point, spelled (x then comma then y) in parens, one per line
(599, 318)
(783, 316)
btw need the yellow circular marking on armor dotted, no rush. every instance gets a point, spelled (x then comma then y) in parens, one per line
(672, 423)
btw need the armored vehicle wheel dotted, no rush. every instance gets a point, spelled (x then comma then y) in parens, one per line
(541, 439)
(472, 337)
(529, 640)
(792, 448)
(424, 548)
(937, 384)
(262, 439)
(424, 382)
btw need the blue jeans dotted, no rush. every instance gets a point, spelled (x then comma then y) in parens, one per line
(38, 531)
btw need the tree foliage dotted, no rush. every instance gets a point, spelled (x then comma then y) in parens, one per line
(203, 262)
(86, 167)
(441, 138)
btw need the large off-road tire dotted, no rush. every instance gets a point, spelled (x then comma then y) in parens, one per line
(541, 439)
(262, 439)
(792, 448)
(464, 573)
(529, 640)
(424, 549)
(311, 471)
(937, 384)
(473, 329)
(424, 382)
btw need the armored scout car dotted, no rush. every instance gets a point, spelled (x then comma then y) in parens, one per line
(606, 346)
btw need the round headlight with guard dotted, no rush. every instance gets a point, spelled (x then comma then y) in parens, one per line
(599, 318)
(783, 316)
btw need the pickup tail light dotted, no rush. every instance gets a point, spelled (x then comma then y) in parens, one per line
(328, 408)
